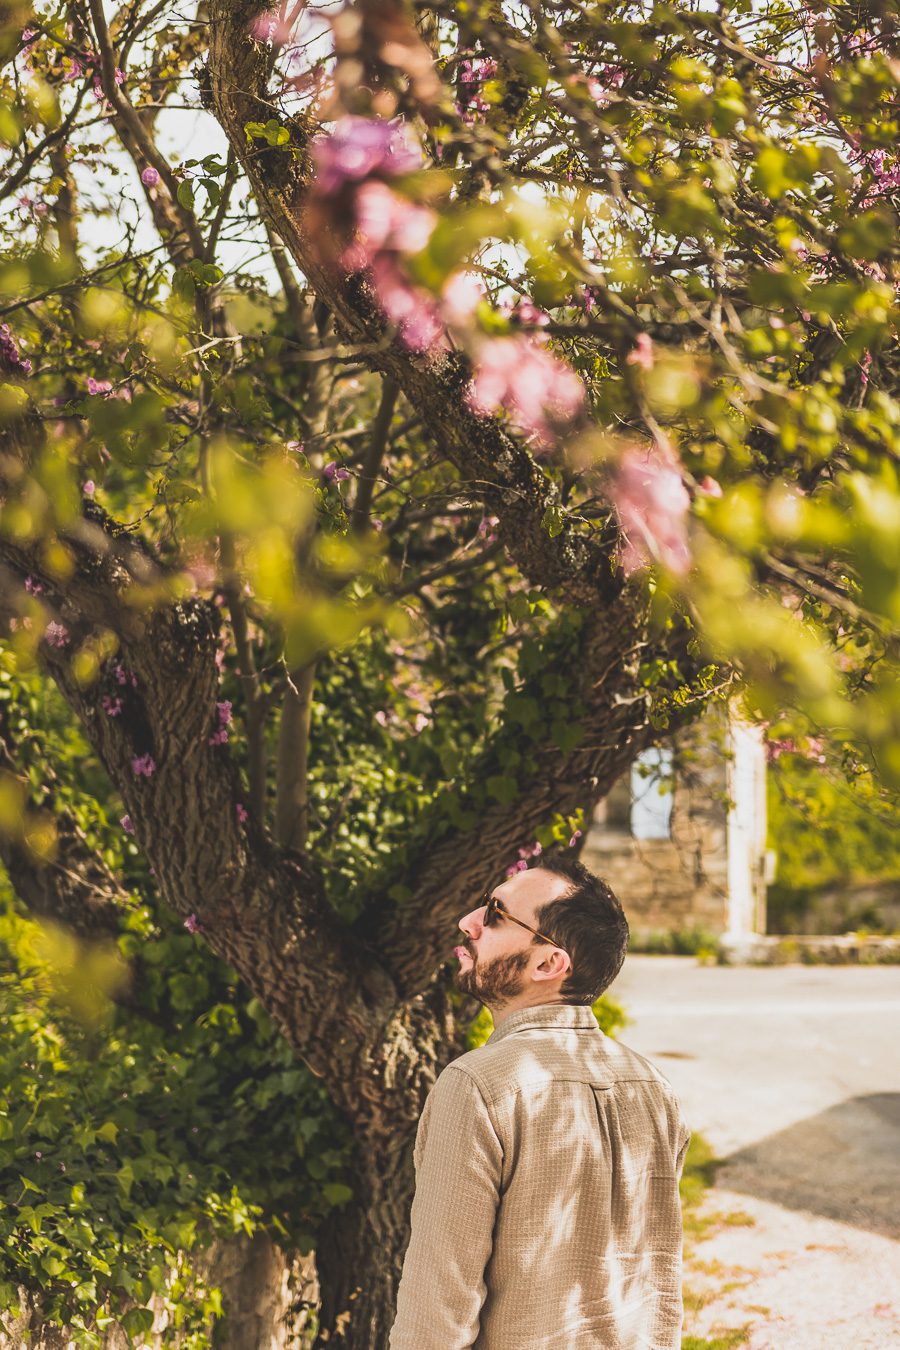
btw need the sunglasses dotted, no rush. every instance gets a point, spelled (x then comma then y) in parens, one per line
(494, 910)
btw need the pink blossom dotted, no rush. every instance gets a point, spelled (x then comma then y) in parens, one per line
(123, 675)
(421, 722)
(865, 366)
(528, 381)
(461, 296)
(709, 487)
(143, 765)
(10, 357)
(527, 312)
(334, 473)
(111, 705)
(98, 386)
(295, 447)
(88, 488)
(192, 923)
(520, 866)
(652, 503)
(56, 634)
(386, 221)
(149, 176)
(75, 70)
(127, 825)
(642, 355)
(223, 714)
(241, 812)
(487, 529)
(360, 147)
(776, 748)
(411, 308)
(271, 30)
(575, 837)
(32, 586)
(381, 718)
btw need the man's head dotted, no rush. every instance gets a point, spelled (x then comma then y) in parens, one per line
(571, 947)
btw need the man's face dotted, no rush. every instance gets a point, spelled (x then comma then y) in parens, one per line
(497, 964)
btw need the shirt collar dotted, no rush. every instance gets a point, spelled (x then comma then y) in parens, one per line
(546, 1015)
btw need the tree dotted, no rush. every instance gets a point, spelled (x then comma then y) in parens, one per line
(574, 409)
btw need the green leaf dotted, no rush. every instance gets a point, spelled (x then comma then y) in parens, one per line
(137, 1321)
(553, 520)
(336, 1193)
(185, 195)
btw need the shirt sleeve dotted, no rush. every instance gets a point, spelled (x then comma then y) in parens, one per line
(459, 1160)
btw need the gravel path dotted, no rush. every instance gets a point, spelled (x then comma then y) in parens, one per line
(793, 1076)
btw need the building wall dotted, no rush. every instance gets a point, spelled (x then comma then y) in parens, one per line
(692, 854)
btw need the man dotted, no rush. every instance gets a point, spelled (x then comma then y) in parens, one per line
(546, 1212)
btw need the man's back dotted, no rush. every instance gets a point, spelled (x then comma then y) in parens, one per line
(546, 1211)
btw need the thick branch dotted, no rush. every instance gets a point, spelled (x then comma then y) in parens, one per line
(263, 912)
(455, 866)
(496, 468)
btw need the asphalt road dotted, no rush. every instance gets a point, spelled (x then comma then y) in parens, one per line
(793, 1075)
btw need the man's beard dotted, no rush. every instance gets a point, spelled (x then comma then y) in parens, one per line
(494, 982)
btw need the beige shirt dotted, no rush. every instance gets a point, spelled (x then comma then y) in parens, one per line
(546, 1212)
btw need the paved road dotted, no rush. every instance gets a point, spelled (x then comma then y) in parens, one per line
(793, 1075)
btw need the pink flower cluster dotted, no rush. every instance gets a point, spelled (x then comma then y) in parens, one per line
(111, 705)
(361, 148)
(812, 749)
(223, 715)
(525, 854)
(471, 77)
(517, 374)
(881, 169)
(143, 766)
(652, 503)
(529, 382)
(10, 357)
(335, 473)
(56, 635)
(123, 675)
(271, 29)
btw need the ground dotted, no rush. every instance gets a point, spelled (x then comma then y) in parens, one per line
(792, 1075)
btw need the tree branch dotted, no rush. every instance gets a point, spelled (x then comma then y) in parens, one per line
(495, 466)
(359, 517)
(456, 865)
(292, 805)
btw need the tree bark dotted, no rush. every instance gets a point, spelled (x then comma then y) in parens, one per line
(359, 1255)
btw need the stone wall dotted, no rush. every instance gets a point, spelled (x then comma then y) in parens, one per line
(680, 880)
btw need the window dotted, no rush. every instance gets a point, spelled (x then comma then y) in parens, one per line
(651, 794)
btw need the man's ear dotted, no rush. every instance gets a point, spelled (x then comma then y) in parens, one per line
(552, 965)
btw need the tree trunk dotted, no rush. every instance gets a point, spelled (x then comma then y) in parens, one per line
(360, 1254)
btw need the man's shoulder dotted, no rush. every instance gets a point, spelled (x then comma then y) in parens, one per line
(533, 1056)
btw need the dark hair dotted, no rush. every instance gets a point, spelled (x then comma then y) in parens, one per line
(590, 923)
